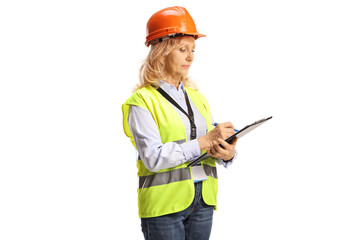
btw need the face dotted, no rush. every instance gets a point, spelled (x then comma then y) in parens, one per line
(178, 62)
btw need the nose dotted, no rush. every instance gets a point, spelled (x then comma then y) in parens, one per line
(190, 57)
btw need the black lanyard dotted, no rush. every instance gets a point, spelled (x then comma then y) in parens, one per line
(190, 115)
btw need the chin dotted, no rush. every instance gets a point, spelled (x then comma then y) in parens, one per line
(185, 72)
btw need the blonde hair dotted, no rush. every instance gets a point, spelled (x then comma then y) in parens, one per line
(152, 69)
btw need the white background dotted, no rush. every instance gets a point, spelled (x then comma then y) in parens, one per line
(68, 171)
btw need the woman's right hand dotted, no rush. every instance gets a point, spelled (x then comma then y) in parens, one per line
(222, 130)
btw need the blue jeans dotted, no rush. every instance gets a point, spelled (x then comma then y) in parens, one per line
(193, 223)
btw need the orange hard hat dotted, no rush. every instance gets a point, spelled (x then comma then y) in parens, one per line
(170, 22)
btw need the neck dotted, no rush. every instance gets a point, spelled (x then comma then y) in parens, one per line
(172, 81)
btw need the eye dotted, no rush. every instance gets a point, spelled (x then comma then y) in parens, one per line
(193, 50)
(182, 50)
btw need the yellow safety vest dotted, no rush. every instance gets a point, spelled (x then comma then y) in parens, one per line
(169, 190)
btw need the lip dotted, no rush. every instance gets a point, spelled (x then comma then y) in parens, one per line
(186, 66)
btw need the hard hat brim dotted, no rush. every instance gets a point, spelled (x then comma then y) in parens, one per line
(155, 38)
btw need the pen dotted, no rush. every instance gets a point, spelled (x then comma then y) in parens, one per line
(217, 124)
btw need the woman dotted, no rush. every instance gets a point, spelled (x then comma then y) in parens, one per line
(170, 124)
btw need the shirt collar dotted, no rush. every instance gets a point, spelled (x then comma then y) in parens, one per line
(167, 86)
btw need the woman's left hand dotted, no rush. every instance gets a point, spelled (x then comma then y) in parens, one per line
(226, 153)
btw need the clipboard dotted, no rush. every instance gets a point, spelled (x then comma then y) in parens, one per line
(245, 130)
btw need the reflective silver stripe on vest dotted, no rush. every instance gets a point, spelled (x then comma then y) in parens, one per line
(180, 141)
(210, 171)
(162, 178)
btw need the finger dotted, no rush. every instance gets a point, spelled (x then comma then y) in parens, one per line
(212, 153)
(215, 146)
(225, 144)
(234, 141)
(228, 134)
(228, 125)
(216, 149)
(221, 151)
(229, 148)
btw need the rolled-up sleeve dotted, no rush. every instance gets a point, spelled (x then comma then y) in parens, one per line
(191, 149)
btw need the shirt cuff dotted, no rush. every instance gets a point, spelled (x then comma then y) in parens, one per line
(191, 149)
